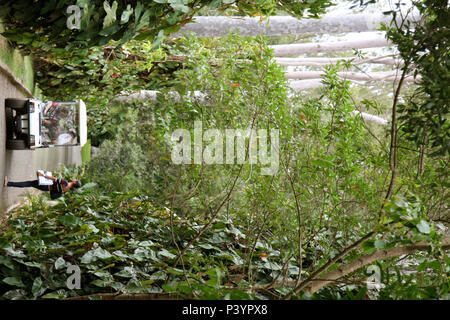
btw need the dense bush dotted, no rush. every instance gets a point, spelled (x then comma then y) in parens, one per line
(345, 193)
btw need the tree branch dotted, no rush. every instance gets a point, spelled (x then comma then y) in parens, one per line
(368, 259)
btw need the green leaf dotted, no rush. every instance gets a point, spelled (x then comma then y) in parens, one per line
(237, 294)
(110, 30)
(180, 7)
(379, 244)
(95, 255)
(102, 282)
(138, 11)
(14, 281)
(59, 294)
(34, 264)
(69, 220)
(400, 203)
(423, 227)
(60, 263)
(14, 253)
(110, 13)
(37, 288)
(369, 246)
(435, 265)
(126, 14)
(87, 186)
(15, 294)
(134, 286)
(126, 272)
(121, 255)
(6, 262)
(166, 254)
(207, 246)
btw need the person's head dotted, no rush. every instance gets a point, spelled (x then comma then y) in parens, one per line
(75, 184)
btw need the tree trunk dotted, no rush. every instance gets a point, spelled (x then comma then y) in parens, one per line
(322, 61)
(152, 96)
(218, 26)
(386, 76)
(301, 85)
(284, 50)
(371, 118)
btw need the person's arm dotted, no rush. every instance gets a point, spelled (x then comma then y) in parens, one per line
(49, 104)
(50, 177)
(45, 176)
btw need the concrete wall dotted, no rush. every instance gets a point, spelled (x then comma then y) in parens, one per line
(20, 165)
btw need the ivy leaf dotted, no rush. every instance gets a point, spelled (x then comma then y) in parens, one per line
(134, 286)
(59, 294)
(37, 288)
(6, 262)
(166, 254)
(102, 282)
(14, 253)
(14, 281)
(15, 294)
(126, 272)
(94, 255)
(423, 227)
(33, 264)
(59, 263)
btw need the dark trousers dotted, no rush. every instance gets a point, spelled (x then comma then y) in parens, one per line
(28, 184)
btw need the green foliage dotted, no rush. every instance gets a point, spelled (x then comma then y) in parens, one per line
(21, 66)
(103, 21)
(426, 50)
(96, 72)
(330, 165)
(137, 211)
(142, 130)
(86, 152)
(123, 243)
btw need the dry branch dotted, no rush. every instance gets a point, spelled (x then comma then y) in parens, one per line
(369, 259)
